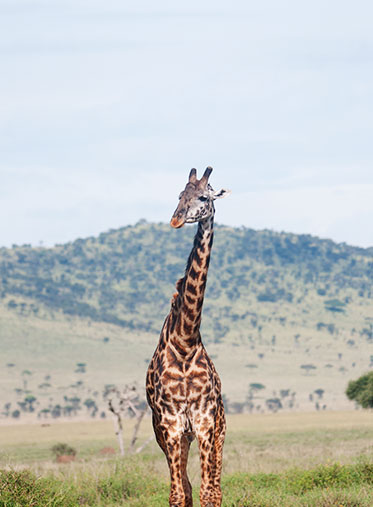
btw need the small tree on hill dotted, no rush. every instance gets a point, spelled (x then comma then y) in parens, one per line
(308, 368)
(255, 387)
(320, 393)
(80, 368)
(30, 400)
(274, 404)
(361, 390)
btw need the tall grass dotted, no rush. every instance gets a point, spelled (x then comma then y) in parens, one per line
(123, 486)
(332, 484)
(133, 485)
(322, 459)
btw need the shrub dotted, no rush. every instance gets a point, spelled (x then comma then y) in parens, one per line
(63, 450)
(361, 390)
(335, 305)
(25, 489)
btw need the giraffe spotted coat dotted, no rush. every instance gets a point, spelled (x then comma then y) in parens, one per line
(183, 387)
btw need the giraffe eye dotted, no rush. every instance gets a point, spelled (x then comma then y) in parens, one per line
(202, 198)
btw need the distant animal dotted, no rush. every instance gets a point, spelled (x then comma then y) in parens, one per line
(182, 385)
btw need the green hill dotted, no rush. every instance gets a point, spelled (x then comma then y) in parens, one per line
(126, 277)
(290, 312)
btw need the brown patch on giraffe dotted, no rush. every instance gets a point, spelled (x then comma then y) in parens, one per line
(197, 403)
(170, 409)
(189, 299)
(207, 261)
(179, 348)
(189, 312)
(171, 327)
(172, 360)
(189, 341)
(159, 365)
(193, 273)
(178, 327)
(191, 288)
(199, 305)
(207, 390)
(198, 260)
(178, 389)
(200, 360)
(169, 376)
(187, 328)
(196, 328)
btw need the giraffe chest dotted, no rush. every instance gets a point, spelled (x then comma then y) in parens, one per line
(182, 387)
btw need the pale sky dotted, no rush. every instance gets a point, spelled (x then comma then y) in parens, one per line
(105, 105)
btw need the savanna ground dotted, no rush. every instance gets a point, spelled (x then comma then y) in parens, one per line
(39, 358)
(284, 459)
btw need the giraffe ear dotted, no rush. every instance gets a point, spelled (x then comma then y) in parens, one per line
(220, 194)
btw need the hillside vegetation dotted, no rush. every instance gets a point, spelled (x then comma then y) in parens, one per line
(125, 277)
(288, 319)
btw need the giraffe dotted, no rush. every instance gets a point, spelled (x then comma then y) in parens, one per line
(182, 385)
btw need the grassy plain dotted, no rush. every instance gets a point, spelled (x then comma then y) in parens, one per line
(51, 347)
(318, 458)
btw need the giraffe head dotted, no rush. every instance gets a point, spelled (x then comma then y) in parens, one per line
(196, 201)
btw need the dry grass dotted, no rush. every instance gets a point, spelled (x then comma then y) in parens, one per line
(256, 447)
(270, 443)
(247, 356)
(260, 442)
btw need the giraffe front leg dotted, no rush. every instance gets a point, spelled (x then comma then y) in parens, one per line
(210, 492)
(185, 444)
(217, 462)
(178, 497)
(220, 428)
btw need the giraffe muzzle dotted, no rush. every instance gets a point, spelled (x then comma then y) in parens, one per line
(177, 222)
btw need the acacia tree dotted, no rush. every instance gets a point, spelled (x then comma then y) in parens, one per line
(126, 402)
(361, 390)
(308, 367)
(319, 392)
(30, 400)
(253, 389)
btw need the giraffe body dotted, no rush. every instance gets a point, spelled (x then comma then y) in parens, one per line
(183, 387)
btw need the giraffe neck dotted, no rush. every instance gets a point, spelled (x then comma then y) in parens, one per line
(187, 305)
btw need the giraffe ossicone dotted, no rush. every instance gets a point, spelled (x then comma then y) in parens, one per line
(182, 385)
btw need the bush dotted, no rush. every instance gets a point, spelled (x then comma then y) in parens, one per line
(335, 305)
(63, 450)
(361, 390)
(23, 488)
